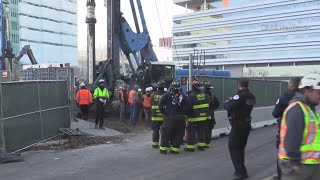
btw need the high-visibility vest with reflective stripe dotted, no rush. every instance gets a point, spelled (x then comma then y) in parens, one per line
(156, 115)
(200, 108)
(310, 146)
(146, 101)
(84, 97)
(131, 99)
(101, 93)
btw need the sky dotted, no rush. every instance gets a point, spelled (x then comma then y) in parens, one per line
(166, 10)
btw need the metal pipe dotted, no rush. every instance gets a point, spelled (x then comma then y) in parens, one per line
(143, 21)
(190, 72)
(134, 13)
(91, 54)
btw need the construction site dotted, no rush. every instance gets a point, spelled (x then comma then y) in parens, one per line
(44, 136)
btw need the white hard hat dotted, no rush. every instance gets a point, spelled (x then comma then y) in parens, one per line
(312, 80)
(82, 84)
(139, 89)
(150, 89)
(165, 89)
(101, 80)
(147, 89)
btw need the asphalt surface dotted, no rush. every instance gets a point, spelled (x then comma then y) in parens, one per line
(134, 159)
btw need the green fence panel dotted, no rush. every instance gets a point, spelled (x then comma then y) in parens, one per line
(22, 131)
(53, 94)
(230, 88)
(273, 92)
(55, 119)
(32, 111)
(1, 137)
(284, 87)
(19, 98)
(258, 88)
(266, 92)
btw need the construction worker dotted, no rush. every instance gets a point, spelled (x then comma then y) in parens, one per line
(139, 99)
(156, 116)
(197, 120)
(146, 98)
(133, 105)
(239, 109)
(299, 149)
(101, 96)
(281, 104)
(213, 105)
(123, 97)
(174, 105)
(84, 99)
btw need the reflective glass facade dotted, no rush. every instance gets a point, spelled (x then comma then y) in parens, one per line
(250, 32)
(50, 28)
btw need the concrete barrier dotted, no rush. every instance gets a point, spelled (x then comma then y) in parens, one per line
(261, 117)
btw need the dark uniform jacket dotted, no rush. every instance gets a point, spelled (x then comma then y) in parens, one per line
(170, 107)
(278, 110)
(239, 108)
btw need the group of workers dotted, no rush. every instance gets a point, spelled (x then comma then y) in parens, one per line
(175, 112)
(175, 115)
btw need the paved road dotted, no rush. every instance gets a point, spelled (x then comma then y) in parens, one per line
(136, 160)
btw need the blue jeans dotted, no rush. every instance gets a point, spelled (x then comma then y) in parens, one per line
(134, 112)
(123, 107)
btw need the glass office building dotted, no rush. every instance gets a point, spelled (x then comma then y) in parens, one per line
(242, 34)
(50, 28)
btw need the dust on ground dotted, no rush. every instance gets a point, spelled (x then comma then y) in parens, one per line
(64, 143)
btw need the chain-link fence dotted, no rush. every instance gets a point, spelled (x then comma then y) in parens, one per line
(32, 111)
(266, 92)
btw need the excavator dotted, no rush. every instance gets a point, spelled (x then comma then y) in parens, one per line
(26, 50)
(145, 68)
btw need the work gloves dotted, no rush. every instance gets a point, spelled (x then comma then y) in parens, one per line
(103, 101)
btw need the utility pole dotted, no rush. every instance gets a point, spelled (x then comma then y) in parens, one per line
(91, 53)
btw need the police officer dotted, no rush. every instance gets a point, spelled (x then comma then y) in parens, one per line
(197, 118)
(156, 116)
(213, 105)
(175, 105)
(299, 147)
(239, 108)
(281, 104)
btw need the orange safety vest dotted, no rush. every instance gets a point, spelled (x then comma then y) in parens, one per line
(131, 99)
(84, 97)
(146, 101)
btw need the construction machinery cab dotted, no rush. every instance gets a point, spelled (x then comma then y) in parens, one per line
(162, 70)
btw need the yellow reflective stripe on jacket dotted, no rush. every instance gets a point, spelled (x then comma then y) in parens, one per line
(200, 106)
(201, 144)
(197, 119)
(191, 146)
(175, 149)
(163, 148)
(155, 143)
(155, 107)
(157, 118)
